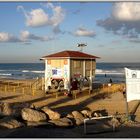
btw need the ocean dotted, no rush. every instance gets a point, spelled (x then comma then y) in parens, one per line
(113, 71)
(22, 70)
(104, 71)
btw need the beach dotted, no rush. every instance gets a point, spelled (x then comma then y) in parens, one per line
(104, 99)
(23, 84)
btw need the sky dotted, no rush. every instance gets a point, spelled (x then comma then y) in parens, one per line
(30, 30)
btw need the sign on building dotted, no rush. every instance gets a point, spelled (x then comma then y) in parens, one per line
(57, 73)
(132, 84)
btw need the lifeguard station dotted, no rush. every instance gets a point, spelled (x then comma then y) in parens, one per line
(64, 69)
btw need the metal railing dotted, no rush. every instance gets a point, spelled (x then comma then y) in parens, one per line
(97, 118)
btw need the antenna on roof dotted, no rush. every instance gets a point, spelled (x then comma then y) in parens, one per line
(81, 46)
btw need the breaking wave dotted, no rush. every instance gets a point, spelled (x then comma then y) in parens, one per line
(100, 71)
(32, 71)
(5, 74)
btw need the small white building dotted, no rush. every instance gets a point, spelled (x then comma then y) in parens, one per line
(68, 65)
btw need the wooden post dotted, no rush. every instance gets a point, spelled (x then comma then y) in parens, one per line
(56, 94)
(91, 76)
(30, 86)
(42, 83)
(33, 92)
(23, 90)
(14, 89)
(89, 92)
(84, 68)
(69, 75)
(1, 88)
(5, 88)
(35, 85)
(74, 94)
(8, 85)
(114, 88)
(107, 89)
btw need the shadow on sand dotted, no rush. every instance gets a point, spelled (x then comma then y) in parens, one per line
(79, 106)
(9, 97)
(134, 110)
(35, 100)
(60, 101)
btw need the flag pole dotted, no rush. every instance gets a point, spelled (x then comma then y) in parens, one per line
(127, 108)
(126, 103)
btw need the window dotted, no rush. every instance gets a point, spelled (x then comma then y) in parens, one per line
(77, 64)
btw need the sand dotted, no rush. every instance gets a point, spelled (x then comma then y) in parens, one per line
(107, 103)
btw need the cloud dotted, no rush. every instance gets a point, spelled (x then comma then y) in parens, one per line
(38, 17)
(124, 19)
(58, 16)
(57, 30)
(137, 40)
(6, 37)
(25, 37)
(126, 11)
(84, 32)
(23, 10)
(35, 18)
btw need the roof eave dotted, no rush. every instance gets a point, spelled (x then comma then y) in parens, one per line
(44, 58)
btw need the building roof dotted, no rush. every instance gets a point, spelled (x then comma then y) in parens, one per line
(70, 54)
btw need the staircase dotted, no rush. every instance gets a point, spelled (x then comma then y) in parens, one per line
(38, 84)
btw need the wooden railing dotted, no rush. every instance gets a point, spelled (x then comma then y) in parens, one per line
(13, 86)
(38, 84)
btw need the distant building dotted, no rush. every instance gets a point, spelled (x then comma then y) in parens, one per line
(68, 65)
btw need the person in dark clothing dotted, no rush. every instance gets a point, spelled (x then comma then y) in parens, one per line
(124, 92)
(74, 84)
(110, 80)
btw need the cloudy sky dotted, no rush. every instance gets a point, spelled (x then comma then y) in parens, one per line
(31, 30)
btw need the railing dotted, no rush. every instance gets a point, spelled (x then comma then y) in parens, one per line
(13, 86)
(38, 84)
(98, 118)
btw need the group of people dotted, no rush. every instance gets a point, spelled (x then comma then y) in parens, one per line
(77, 83)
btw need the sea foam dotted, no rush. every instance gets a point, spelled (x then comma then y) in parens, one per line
(100, 71)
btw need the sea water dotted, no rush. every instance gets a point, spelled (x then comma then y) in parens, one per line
(22, 70)
(114, 71)
(104, 71)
